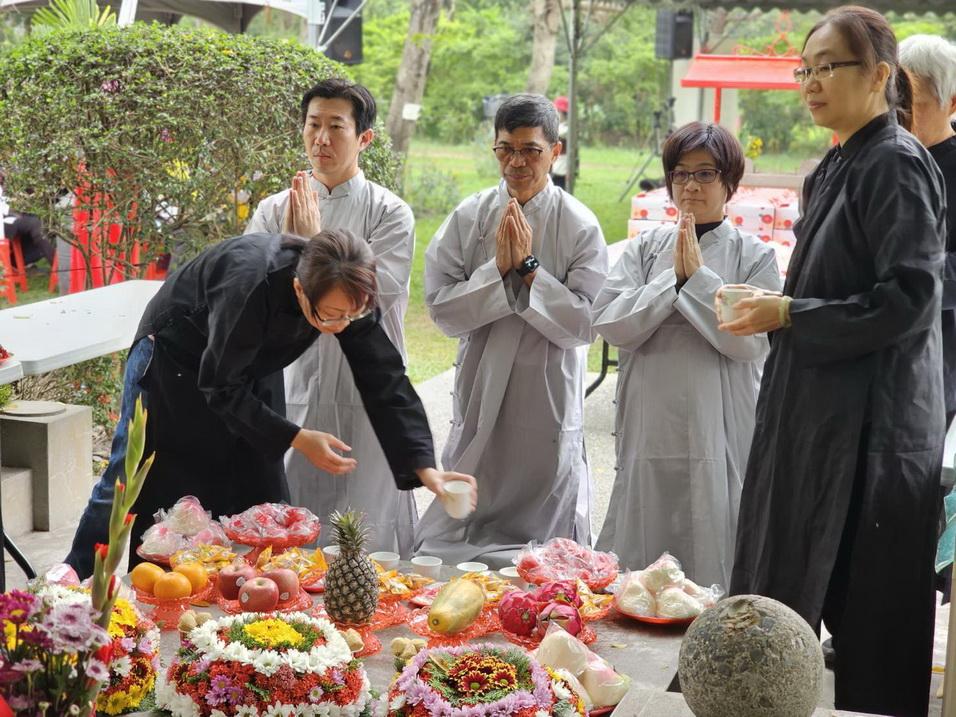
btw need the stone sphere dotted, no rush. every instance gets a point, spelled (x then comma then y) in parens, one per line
(750, 656)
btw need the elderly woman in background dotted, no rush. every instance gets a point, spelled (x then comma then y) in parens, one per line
(931, 64)
(837, 513)
(686, 392)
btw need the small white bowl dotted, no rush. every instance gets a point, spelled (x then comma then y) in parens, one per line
(331, 552)
(427, 566)
(387, 559)
(471, 568)
(510, 574)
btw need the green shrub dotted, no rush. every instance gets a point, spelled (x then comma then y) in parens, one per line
(157, 118)
(431, 192)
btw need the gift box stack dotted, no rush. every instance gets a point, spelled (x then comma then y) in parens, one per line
(766, 212)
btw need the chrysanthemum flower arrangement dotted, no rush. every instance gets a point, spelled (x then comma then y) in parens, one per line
(55, 655)
(265, 664)
(480, 681)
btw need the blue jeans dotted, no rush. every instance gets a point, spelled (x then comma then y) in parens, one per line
(94, 524)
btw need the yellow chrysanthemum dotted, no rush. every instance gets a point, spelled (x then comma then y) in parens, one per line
(115, 703)
(272, 632)
(124, 615)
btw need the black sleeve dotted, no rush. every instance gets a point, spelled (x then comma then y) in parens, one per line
(237, 322)
(393, 407)
(899, 203)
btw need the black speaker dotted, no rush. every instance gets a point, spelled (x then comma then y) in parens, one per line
(347, 47)
(675, 35)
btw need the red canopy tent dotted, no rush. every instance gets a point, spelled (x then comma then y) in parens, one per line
(741, 72)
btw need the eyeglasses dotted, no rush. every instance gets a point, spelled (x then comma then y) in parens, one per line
(342, 319)
(701, 176)
(820, 72)
(504, 153)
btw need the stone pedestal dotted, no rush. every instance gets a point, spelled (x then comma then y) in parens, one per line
(58, 450)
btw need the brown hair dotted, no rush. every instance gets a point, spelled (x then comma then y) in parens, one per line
(335, 258)
(722, 145)
(872, 41)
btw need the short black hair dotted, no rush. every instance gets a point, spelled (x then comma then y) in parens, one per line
(336, 88)
(723, 147)
(528, 111)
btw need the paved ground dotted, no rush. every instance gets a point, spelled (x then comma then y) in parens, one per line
(45, 549)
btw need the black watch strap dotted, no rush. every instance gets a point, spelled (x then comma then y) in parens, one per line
(529, 264)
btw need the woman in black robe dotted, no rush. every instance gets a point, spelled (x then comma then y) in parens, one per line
(837, 516)
(207, 361)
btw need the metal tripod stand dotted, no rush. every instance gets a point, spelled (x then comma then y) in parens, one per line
(662, 116)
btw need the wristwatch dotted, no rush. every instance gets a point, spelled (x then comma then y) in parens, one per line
(529, 264)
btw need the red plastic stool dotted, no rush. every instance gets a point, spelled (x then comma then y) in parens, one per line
(20, 275)
(8, 280)
(54, 274)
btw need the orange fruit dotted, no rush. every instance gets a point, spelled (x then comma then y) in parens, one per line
(172, 586)
(195, 573)
(145, 575)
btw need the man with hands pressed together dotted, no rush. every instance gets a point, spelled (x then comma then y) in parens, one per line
(512, 273)
(320, 392)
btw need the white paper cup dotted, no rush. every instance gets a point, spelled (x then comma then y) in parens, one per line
(387, 559)
(510, 574)
(457, 499)
(728, 299)
(331, 552)
(471, 568)
(427, 566)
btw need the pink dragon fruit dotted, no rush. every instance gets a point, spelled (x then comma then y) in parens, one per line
(565, 616)
(565, 591)
(518, 612)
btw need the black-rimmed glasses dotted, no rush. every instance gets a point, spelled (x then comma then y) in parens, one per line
(504, 153)
(701, 176)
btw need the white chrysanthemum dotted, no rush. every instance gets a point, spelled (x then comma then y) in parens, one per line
(297, 660)
(560, 690)
(121, 666)
(217, 713)
(397, 703)
(246, 711)
(279, 711)
(268, 662)
(542, 713)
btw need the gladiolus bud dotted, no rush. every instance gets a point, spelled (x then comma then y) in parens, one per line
(102, 550)
(112, 588)
(120, 487)
(130, 517)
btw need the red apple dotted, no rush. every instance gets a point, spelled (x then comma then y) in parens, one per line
(259, 595)
(287, 580)
(232, 577)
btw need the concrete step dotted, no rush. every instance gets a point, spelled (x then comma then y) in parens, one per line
(16, 485)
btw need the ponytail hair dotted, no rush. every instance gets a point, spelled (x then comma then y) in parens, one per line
(904, 99)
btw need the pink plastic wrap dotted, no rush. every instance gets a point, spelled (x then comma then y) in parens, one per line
(185, 525)
(563, 559)
(275, 524)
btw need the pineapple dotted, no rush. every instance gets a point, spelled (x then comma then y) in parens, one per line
(351, 583)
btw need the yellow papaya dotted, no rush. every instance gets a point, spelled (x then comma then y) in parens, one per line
(456, 606)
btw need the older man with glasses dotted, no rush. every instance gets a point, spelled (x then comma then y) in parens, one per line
(512, 273)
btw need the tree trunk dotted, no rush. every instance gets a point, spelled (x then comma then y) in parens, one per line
(545, 18)
(413, 72)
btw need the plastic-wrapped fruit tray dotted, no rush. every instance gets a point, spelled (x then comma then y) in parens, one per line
(487, 622)
(595, 583)
(653, 620)
(530, 642)
(389, 614)
(302, 601)
(598, 614)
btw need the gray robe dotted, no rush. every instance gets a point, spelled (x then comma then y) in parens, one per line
(519, 383)
(686, 395)
(319, 388)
